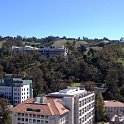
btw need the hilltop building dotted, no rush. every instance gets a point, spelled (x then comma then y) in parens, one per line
(47, 51)
(16, 90)
(68, 106)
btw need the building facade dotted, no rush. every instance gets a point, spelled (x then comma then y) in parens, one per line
(40, 110)
(80, 103)
(47, 51)
(69, 106)
(114, 108)
(16, 90)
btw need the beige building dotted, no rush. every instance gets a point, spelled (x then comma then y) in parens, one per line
(40, 110)
(68, 106)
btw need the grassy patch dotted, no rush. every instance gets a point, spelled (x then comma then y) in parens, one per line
(30, 43)
(121, 60)
(123, 49)
(75, 85)
(63, 42)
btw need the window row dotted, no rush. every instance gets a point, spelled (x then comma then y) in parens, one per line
(32, 115)
(32, 120)
(83, 110)
(85, 101)
(84, 118)
(23, 89)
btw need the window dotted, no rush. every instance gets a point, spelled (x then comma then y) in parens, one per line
(85, 109)
(34, 120)
(79, 112)
(31, 109)
(38, 120)
(79, 103)
(19, 113)
(22, 119)
(26, 119)
(30, 120)
(46, 122)
(19, 119)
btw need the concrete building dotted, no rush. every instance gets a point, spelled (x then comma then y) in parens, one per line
(80, 103)
(47, 51)
(40, 110)
(68, 106)
(114, 108)
(16, 90)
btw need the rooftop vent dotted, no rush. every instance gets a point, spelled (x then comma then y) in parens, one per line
(39, 100)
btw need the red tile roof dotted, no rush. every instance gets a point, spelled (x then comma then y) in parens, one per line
(49, 107)
(113, 104)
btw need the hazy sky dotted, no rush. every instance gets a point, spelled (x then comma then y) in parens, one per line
(71, 18)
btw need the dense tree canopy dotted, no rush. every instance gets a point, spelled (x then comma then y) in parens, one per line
(98, 63)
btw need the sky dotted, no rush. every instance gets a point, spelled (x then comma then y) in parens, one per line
(70, 18)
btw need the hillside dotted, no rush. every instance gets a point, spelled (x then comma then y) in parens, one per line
(63, 42)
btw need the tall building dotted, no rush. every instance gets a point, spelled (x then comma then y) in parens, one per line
(16, 90)
(68, 106)
(80, 103)
(40, 110)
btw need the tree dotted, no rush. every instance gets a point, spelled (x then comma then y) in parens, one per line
(90, 85)
(99, 108)
(5, 117)
(1, 72)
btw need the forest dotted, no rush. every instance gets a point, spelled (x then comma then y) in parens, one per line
(99, 64)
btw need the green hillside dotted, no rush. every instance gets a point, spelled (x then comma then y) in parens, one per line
(63, 42)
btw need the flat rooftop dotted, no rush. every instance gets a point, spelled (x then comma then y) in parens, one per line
(13, 81)
(70, 91)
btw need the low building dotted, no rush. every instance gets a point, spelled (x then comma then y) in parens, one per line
(16, 90)
(114, 108)
(47, 51)
(40, 110)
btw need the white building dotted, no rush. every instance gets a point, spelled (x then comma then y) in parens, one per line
(16, 90)
(68, 106)
(114, 108)
(47, 51)
(40, 110)
(80, 103)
